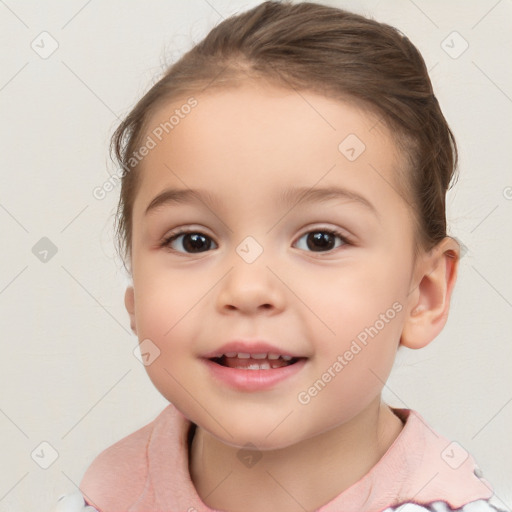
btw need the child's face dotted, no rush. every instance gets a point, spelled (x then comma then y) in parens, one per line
(309, 296)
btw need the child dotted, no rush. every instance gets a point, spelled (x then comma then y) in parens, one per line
(282, 215)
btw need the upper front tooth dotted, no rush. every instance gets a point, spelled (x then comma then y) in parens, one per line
(242, 355)
(287, 358)
(273, 356)
(259, 356)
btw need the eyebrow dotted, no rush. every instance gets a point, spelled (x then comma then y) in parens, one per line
(295, 195)
(288, 197)
(171, 196)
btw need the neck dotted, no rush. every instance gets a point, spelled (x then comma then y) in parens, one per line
(303, 476)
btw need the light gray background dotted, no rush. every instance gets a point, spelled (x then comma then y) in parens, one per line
(68, 375)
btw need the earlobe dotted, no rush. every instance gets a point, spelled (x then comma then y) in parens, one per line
(129, 302)
(430, 303)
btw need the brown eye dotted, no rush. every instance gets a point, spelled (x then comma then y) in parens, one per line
(322, 240)
(190, 242)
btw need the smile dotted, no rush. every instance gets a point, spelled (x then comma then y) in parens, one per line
(247, 373)
(261, 361)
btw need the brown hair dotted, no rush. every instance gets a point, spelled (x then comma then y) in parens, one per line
(326, 50)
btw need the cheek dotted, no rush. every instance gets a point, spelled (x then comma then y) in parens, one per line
(363, 310)
(167, 329)
(345, 304)
(164, 303)
(350, 372)
(171, 333)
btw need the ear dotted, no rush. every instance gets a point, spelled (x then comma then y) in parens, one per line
(430, 299)
(129, 302)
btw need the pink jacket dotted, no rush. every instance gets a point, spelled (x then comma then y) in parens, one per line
(147, 471)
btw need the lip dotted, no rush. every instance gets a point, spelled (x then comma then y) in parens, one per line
(252, 380)
(249, 347)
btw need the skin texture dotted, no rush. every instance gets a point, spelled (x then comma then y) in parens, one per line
(245, 145)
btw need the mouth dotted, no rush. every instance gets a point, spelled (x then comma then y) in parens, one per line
(257, 361)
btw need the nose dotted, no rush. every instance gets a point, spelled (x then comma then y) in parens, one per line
(251, 288)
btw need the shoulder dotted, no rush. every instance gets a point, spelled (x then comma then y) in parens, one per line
(444, 470)
(117, 476)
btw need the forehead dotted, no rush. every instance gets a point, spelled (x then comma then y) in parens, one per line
(252, 142)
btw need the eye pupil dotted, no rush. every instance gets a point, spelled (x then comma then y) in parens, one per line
(194, 241)
(321, 240)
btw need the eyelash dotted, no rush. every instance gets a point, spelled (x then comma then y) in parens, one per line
(174, 235)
